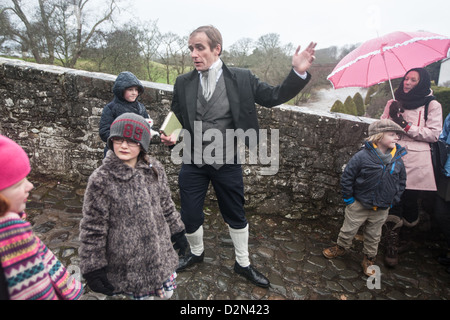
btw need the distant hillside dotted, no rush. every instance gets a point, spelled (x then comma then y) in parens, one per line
(333, 55)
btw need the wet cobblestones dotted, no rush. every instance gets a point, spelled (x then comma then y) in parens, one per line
(288, 251)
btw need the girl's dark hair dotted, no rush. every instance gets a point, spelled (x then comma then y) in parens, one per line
(144, 157)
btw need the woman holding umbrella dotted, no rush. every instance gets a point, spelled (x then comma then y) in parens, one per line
(418, 112)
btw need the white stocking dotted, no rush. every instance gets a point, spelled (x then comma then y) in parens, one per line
(240, 242)
(196, 241)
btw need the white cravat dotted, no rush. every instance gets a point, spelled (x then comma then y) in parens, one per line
(209, 78)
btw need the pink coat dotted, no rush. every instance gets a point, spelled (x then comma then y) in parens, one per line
(419, 169)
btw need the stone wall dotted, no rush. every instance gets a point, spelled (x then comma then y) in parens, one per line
(54, 112)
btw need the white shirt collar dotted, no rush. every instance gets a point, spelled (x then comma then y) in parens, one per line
(219, 73)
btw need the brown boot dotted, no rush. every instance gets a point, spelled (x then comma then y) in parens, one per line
(391, 229)
(366, 263)
(333, 252)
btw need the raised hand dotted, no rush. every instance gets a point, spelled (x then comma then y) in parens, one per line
(301, 61)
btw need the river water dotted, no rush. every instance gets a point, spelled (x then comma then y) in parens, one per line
(325, 98)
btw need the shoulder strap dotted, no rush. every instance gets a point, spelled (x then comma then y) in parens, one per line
(426, 109)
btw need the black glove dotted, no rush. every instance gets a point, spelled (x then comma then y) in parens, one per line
(180, 242)
(394, 109)
(98, 282)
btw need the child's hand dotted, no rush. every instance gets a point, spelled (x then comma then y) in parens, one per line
(180, 242)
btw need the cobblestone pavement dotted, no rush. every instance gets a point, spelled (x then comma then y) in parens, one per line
(287, 251)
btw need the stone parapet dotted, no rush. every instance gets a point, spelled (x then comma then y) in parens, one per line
(54, 113)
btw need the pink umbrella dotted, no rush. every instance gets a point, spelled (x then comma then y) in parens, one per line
(388, 57)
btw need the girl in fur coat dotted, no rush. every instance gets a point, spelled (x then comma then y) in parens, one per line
(129, 219)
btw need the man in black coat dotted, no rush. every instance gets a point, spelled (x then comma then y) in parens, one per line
(217, 97)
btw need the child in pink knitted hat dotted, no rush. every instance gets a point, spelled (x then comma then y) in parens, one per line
(28, 269)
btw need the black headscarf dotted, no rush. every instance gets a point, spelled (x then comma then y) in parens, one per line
(419, 95)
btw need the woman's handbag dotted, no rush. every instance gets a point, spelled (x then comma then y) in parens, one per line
(439, 153)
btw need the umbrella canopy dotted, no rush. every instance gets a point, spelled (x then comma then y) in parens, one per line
(388, 57)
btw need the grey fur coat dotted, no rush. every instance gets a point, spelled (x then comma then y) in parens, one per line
(128, 219)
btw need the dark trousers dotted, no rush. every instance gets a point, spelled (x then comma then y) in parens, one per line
(408, 208)
(442, 216)
(228, 185)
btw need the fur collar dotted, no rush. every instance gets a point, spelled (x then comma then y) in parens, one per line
(120, 170)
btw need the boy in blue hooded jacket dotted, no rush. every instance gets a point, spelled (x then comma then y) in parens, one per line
(373, 180)
(127, 89)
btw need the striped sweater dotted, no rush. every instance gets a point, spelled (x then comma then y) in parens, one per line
(31, 270)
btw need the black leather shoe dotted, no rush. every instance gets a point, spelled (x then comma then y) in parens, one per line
(189, 260)
(252, 275)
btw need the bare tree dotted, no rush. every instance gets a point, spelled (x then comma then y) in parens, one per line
(4, 26)
(149, 38)
(123, 52)
(270, 59)
(240, 52)
(82, 39)
(25, 35)
(56, 27)
(46, 12)
(184, 62)
(96, 51)
(172, 47)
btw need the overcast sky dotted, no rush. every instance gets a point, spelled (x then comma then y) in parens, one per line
(327, 22)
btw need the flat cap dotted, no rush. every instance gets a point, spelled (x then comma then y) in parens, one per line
(384, 125)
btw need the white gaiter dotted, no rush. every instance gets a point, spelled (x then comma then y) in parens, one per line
(196, 241)
(240, 242)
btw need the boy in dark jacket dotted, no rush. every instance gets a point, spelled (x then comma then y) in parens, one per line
(372, 182)
(127, 89)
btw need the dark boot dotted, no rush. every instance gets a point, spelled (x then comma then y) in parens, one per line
(405, 235)
(391, 230)
(404, 239)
